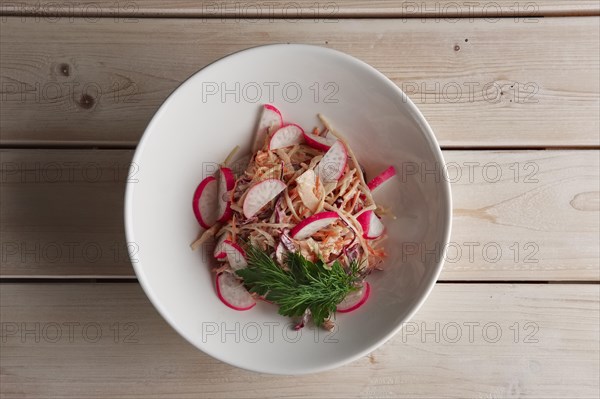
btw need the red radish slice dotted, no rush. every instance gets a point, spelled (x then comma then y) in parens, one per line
(355, 299)
(312, 224)
(332, 166)
(260, 194)
(319, 142)
(371, 225)
(270, 119)
(235, 255)
(232, 292)
(219, 252)
(226, 183)
(205, 202)
(382, 178)
(286, 136)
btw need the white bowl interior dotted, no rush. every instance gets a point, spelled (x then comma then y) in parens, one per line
(215, 110)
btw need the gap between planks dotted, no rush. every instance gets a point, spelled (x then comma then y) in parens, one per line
(125, 146)
(300, 9)
(132, 279)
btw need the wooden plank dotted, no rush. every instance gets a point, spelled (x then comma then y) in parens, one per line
(518, 215)
(512, 84)
(61, 213)
(112, 343)
(297, 9)
(531, 214)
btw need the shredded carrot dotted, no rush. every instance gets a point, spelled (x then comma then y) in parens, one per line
(261, 158)
(317, 185)
(354, 201)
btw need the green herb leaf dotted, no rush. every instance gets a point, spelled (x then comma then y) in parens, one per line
(306, 285)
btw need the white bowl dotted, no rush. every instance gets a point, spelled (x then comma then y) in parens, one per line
(216, 109)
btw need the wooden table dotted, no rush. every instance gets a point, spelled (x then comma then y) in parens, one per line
(512, 91)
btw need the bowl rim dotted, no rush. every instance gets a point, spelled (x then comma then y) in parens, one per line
(445, 192)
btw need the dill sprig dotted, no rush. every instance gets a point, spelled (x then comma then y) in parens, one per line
(305, 285)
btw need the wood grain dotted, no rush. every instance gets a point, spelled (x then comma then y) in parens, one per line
(297, 9)
(62, 213)
(518, 215)
(544, 330)
(97, 82)
(531, 214)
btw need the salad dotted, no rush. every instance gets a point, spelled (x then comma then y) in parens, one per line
(295, 224)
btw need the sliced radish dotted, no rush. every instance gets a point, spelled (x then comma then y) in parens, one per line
(226, 183)
(270, 119)
(332, 166)
(312, 224)
(382, 178)
(219, 252)
(260, 194)
(232, 292)
(286, 136)
(319, 142)
(205, 202)
(355, 299)
(235, 255)
(371, 225)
